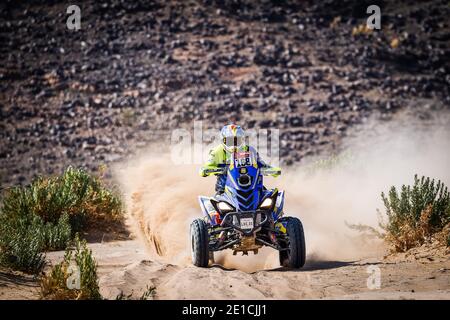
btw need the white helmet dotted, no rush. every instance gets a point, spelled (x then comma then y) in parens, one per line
(233, 137)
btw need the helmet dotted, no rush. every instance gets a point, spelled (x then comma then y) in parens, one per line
(233, 137)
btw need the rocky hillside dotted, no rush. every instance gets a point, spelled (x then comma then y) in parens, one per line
(138, 69)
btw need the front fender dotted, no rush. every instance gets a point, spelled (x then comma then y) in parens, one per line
(206, 206)
(279, 203)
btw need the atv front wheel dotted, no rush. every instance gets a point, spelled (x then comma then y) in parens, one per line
(294, 256)
(199, 243)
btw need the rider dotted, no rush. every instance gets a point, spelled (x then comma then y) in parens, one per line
(233, 140)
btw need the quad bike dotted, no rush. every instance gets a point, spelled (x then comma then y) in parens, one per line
(246, 217)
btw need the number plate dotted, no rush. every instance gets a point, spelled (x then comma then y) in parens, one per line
(247, 223)
(243, 159)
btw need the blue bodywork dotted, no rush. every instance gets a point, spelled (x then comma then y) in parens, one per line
(244, 188)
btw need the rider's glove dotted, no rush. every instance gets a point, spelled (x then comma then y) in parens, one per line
(202, 172)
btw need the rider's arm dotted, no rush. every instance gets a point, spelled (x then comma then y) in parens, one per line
(271, 171)
(215, 162)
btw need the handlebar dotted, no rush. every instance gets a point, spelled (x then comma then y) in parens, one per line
(216, 171)
(270, 171)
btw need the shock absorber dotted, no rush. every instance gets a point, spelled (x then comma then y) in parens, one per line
(221, 237)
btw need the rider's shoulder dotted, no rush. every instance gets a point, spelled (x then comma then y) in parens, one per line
(218, 148)
(217, 151)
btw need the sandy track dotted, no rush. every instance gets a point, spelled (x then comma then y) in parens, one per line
(17, 286)
(124, 266)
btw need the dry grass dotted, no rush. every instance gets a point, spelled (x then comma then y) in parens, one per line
(149, 293)
(419, 213)
(75, 278)
(411, 234)
(416, 215)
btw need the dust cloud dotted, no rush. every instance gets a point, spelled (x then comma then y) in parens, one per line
(162, 198)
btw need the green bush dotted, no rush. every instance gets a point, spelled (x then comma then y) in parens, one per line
(88, 270)
(21, 243)
(416, 213)
(24, 237)
(76, 193)
(58, 235)
(45, 215)
(56, 284)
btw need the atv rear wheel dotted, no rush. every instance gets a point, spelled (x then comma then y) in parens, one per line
(294, 257)
(199, 243)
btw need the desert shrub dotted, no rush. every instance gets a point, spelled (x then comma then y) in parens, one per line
(416, 213)
(24, 237)
(81, 196)
(21, 243)
(45, 215)
(57, 235)
(75, 278)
